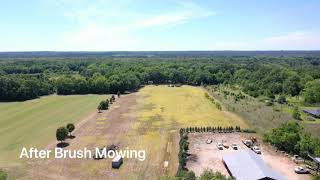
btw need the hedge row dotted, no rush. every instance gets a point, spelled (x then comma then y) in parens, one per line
(218, 129)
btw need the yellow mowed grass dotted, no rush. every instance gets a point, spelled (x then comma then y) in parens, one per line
(185, 106)
(163, 110)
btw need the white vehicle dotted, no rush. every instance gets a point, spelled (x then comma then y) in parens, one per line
(301, 170)
(234, 146)
(209, 141)
(297, 159)
(220, 146)
(256, 149)
(247, 142)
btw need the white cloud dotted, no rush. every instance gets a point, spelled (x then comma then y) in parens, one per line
(298, 40)
(114, 28)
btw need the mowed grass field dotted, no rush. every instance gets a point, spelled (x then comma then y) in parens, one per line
(182, 106)
(163, 111)
(33, 123)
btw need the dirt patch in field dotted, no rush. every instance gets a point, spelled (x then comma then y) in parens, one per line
(207, 156)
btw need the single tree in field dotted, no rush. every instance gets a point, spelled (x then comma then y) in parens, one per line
(113, 98)
(62, 134)
(103, 106)
(118, 94)
(70, 128)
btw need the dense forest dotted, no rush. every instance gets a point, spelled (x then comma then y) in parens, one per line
(28, 78)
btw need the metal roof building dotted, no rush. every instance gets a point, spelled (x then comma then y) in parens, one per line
(313, 112)
(246, 165)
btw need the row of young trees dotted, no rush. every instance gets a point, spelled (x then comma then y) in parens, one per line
(267, 76)
(183, 172)
(104, 105)
(218, 129)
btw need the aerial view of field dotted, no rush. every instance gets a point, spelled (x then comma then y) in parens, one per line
(159, 90)
(33, 123)
(147, 120)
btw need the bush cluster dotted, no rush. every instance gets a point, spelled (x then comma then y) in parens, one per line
(63, 132)
(3, 175)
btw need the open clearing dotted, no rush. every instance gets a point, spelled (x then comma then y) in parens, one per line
(34, 123)
(205, 155)
(146, 120)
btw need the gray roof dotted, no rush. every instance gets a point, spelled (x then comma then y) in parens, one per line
(246, 165)
(316, 159)
(315, 112)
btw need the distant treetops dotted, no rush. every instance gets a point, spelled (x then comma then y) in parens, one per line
(256, 76)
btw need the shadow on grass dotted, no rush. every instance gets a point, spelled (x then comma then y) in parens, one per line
(62, 145)
(71, 137)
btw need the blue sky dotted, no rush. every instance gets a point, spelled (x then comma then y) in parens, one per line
(109, 25)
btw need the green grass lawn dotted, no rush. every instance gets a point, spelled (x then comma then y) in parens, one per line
(33, 123)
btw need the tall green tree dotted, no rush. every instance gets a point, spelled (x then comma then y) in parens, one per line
(62, 134)
(312, 91)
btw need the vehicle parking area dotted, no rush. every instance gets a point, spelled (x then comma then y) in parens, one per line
(208, 156)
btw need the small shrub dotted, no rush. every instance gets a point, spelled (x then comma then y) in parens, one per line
(210, 175)
(296, 114)
(249, 131)
(218, 105)
(3, 175)
(316, 177)
(70, 128)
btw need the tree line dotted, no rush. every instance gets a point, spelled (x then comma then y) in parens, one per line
(267, 76)
(291, 138)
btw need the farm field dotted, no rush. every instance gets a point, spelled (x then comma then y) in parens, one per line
(34, 122)
(145, 120)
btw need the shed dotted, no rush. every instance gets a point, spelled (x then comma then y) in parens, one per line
(316, 160)
(117, 161)
(313, 112)
(246, 165)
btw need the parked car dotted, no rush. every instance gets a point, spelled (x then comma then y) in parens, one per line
(297, 159)
(234, 146)
(256, 149)
(209, 141)
(247, 142)
(220, 146)
(301, 170)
